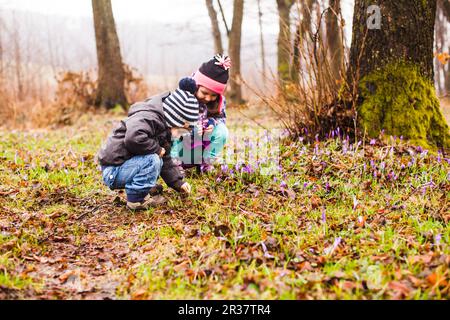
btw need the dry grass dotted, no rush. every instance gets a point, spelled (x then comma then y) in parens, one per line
(63, 104)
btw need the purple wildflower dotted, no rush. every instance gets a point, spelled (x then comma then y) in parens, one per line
(437, 239)
(248, 169)
(327, 187)
(332, 248)
(424, 190)
(283, 184)
(305, 185)
(324, 216)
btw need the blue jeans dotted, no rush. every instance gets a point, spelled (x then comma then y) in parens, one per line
(213, 145)
(137, 176)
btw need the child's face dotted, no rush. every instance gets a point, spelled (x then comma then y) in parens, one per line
(205, 96)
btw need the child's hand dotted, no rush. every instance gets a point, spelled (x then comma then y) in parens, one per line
(210, 129)
(186, 188)
(162, 153)
(202, 131)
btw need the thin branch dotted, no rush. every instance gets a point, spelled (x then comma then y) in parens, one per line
(224, 19)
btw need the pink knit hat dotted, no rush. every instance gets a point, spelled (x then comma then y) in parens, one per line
(214, 74)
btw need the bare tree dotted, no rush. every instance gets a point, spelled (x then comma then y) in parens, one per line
(334, 38)
(261, 37)
(303, 32)
(215, 27)
(235, 52)
(1, 51)
(18, 60)
(443, 70)
(445, 4)
(284, 40)
(447, 77)
(111, 75)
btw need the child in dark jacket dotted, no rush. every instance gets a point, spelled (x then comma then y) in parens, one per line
(138, 151)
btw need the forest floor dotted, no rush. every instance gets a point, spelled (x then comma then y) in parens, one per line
(341, 220)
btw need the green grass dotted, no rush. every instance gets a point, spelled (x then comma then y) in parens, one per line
(240, 236)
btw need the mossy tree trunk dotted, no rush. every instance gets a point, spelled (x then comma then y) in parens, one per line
(391, 65)
(111, 74)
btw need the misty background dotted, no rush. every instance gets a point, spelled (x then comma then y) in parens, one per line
(163, 40)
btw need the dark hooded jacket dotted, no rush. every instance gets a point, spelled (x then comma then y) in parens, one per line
(144, 132)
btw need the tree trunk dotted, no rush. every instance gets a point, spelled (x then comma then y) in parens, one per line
(261, 41)
(302, 33)
(334, 39)
(111, 75)
(391, 65)
(1, 55)
(445, 5)
(18, 66)
(235, 53)
(440, 42)
(447, 77)
(218, 47)
(284, 40)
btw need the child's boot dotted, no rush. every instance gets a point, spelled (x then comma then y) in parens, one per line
(149, 202)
